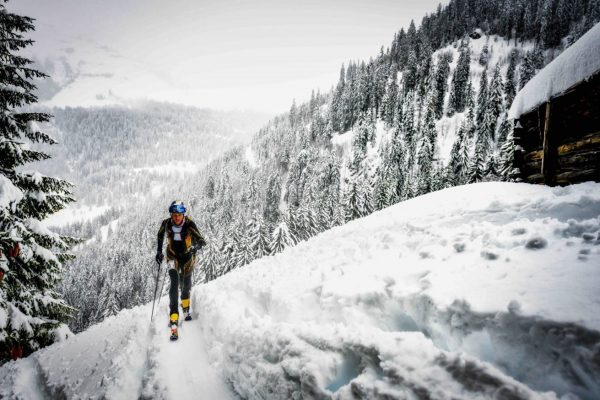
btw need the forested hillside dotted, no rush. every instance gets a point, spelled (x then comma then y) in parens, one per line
(427, 113)
(126, 148)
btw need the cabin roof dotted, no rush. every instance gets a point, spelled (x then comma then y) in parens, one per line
(575, 64)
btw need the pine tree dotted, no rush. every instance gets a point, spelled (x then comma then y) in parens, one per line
(308, 220)
(591, 16)
(484, 56)
(390, 100)
(394, 170)
(482, 97)
(259, 237)
(409, 130)
(505, 126)
(424, 163)
(510, 88)
(273, 195)
(507, 155)
(244, 253)
(455, 164)
(460, 78)
(336, 107)
(281, 238)
(381, 197)
(491, 168)
(411, 72)
(526, 70)
(358, 201)
(229, 250)
(495, 102)
(477, 166)
(31, 308)
(210, 259)
(294, 224)
(441, 85)
(550, 25)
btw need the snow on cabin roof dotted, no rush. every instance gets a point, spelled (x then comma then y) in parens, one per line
(575, 64)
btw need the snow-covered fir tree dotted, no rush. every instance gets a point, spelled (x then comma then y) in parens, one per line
(281, 238)
(459, 81)
(32, 313)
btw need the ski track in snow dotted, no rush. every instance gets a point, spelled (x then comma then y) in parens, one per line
(179, 370)
(124, 357)
(475, 292)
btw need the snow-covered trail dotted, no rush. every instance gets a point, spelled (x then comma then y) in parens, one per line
(124, 357)
(475, 292)
(180, 370)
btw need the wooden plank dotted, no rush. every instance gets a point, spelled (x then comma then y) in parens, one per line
(568, 178)
(534, 156)
(580, 160)
(548, 160)
(588, 141)
(535, 178)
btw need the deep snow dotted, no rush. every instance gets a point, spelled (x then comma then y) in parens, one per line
(480, 291)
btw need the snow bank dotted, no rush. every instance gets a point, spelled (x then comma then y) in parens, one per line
(480, 291)
(506, 273)
(575, 64)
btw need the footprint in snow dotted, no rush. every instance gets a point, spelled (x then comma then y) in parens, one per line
(536, 243)
(488, 255)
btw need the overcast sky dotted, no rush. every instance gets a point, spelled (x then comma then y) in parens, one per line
(227, 54)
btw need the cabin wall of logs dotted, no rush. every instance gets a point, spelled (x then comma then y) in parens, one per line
(558, 143)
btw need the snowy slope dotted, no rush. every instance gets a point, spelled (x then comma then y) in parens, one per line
(479, 291)
(499, 54)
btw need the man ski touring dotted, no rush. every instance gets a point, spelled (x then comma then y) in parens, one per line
(183, 241)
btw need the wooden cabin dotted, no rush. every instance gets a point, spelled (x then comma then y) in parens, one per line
(557, 141)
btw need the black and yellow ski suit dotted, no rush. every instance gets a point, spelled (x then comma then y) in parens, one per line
(180, 260)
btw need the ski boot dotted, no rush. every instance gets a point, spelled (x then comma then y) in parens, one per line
(173, 326)
(185, 305)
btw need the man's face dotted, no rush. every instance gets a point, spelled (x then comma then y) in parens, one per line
(177, 218)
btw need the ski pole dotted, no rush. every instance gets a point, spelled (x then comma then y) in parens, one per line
(162, 287)
(155, 289)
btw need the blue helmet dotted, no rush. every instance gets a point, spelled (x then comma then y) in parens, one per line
(177, 207)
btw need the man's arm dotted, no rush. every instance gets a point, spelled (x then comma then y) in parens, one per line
(198, 240)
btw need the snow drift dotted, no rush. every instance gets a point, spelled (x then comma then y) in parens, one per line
(480, 291)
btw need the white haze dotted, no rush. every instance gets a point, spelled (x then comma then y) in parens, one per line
(257, 55)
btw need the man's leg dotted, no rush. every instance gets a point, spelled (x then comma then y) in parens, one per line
(186, 277)
(173, 291)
